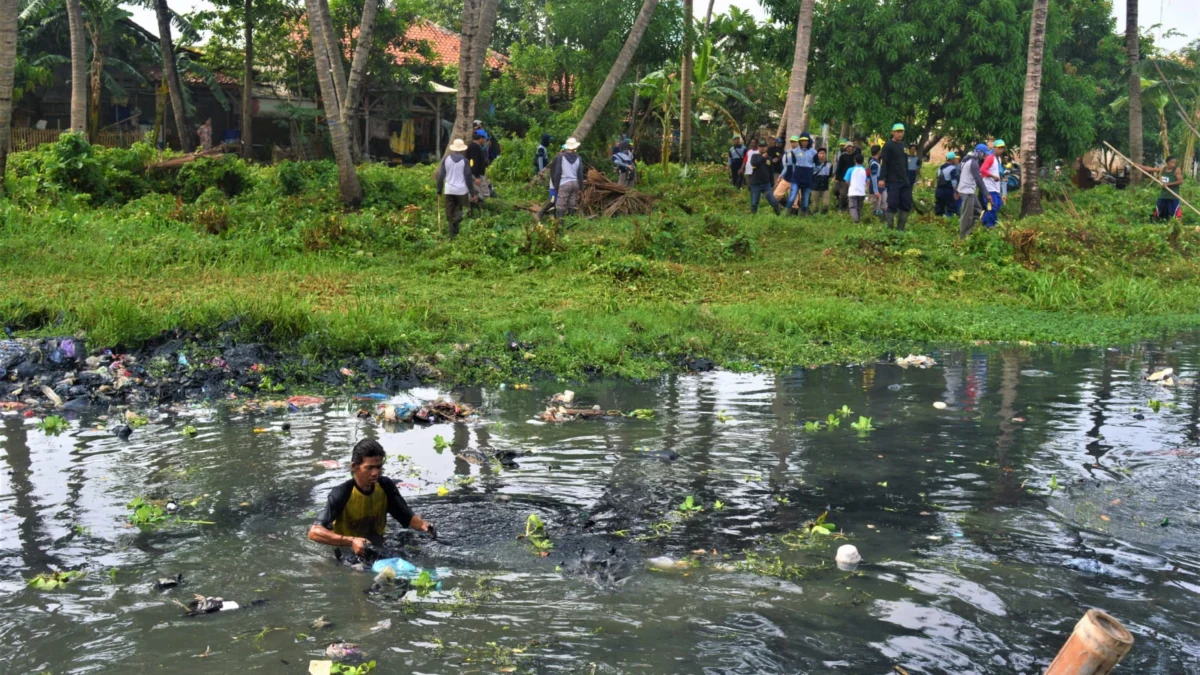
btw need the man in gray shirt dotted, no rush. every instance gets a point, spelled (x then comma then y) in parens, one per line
(969, 181)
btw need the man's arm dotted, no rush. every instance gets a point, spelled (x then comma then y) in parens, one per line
(399, 509)
(322, 530)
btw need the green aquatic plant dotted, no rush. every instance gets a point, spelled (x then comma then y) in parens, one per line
(723, 417)
(1053, 483)
(643, 413)
(51, 581)
(53, 425)
(424, 582)
(833, 421)
(535, 534)
(844, 411)
(718, 505)
(189, 431)
(863, 425)
(440, 444)
(360, 669)
(689, 506)
(1154, 404)
(144, 514)
(812, 426)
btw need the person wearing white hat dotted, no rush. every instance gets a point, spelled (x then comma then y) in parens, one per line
(566, 177)
(454, 180)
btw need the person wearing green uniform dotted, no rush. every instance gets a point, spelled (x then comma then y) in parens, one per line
(1169, 176)
(356, 513)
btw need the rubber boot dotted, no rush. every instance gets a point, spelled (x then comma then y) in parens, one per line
(890, 219)
(778, 210)
(903, 220)
(793, 211)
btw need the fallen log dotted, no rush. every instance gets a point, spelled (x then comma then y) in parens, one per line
(176, 162)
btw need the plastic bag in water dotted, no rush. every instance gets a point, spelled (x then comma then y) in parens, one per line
(399, 568)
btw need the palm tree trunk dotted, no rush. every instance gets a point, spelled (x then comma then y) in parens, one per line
(617, 72)
(1164, 133)
(804, 120)
(685, 88)
(479, 18)
(248, 81)
(1135, 84)
(708, 16)
(358, 67)
(348, 184)
(795, 99)
(8, 73)
(97, 69)
(79, 76)
(1031, 195)
(171, 75)
(637, 103)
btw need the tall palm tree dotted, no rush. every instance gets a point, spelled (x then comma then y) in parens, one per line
(617, 72)
(78, 67)
(479, 20)
(248, 80)
(685, 88)
(1031, 196)
(171, 76)
(1135, 83)
(348, 184)
(795, 98)
(8, 74)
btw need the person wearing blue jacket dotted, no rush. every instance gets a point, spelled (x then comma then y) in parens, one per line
(947, 182)
(802, 158)
(622, 159)
(737, 159)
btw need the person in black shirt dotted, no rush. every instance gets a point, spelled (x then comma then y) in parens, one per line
(893, 176)
(356, 512)
(477, 158)
(760, 179)
(775, 156)
(847, 159)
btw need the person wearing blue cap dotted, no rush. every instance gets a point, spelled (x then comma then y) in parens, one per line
(893, 177)
(969, 182)
(947, 181)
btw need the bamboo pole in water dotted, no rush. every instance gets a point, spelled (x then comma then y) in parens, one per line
(1097, 645)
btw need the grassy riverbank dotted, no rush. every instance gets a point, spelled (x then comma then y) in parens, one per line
(626, 297)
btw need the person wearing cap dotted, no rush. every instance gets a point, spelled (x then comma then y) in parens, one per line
(622, 158)
(893, 176)
(845, 162)
(775, 157)
(477, 159)
(990, 169)
(737, 162)
(801, 158)
(947, 180)
(566, 177)
(455, 182)
(758, 167)
(970, 180)
(822, 173)
(914, 164)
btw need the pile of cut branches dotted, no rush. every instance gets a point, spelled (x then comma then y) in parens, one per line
(602, 197)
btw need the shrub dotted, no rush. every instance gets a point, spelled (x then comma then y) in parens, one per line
(387, 187)
(228, 174)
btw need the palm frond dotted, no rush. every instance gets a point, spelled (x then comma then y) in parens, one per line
(37, 7)
(187, 65)
(115, 90)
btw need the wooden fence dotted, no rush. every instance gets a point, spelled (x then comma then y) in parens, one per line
(25, 138)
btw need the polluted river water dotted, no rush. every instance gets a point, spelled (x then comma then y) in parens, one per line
(1053, 480)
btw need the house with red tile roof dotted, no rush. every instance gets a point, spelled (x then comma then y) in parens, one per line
(444, 45)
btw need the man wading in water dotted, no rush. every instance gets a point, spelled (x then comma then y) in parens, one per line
(357, 510)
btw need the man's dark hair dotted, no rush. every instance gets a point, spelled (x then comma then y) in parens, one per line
(1168, 160)
(875, 150)
(820, 150)
(754, 142)
(367, 447)
(858, 159)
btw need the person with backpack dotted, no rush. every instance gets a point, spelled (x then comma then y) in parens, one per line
(894, 178)
(1169, 176)
(566, 177)
(970, 180)
(626, 166)
(822, 173)
(875, 185)
(737, 161)
(856, 182)
(947, 181)
(990, 169)
(759, 169)
(456, 184)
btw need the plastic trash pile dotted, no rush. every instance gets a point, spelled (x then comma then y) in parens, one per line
(915, 360)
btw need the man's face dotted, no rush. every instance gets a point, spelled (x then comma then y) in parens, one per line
(954, 161)
(1171, 164)
(898, 135)
(1000, 150)
(821, 156)
(804, 143)
(367, 473)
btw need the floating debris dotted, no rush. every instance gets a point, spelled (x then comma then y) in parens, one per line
(915, 360)
(167, 583)
(1160, 375)
(1036, 373)
(340, 651)
(303, 401)
(565, 398)
(940, 405)
(847, 558)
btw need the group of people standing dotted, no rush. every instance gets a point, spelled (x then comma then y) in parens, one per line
(972, 189)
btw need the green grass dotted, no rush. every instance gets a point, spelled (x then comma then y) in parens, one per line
(624, 297)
